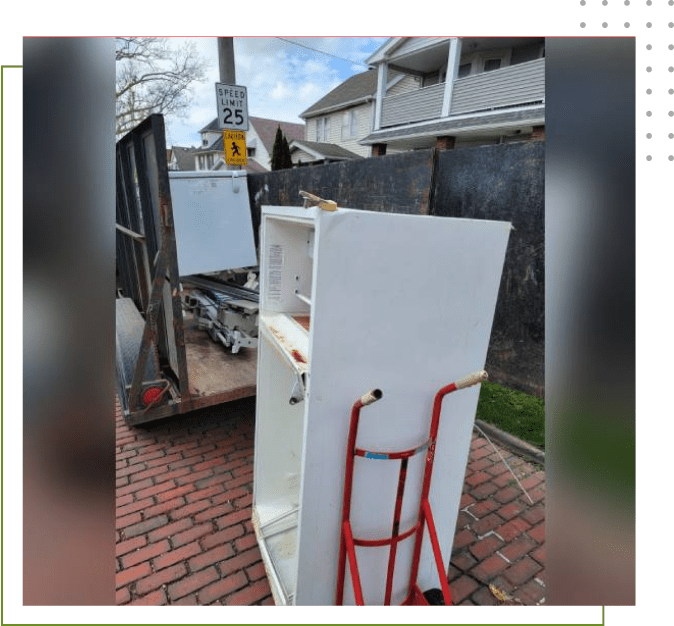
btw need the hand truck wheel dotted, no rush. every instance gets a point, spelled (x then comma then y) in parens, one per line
(434, 597)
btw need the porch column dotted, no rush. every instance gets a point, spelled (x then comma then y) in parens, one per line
(382, 78)
(378, 149)
(452, 72)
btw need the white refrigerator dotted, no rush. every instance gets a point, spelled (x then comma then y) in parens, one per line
(351, 301)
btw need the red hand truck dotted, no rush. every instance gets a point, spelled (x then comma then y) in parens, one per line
(348, 543)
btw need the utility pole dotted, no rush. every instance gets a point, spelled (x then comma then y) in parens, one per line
(226, 59)
(227, 69)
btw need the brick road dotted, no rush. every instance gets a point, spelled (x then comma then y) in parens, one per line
(184, 534)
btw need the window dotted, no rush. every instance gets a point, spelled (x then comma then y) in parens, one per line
(494, 59)
(323, 129)
(251, 152)
(349, 124)
(484, 61)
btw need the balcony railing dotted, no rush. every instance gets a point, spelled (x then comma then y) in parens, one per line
(413, 106)
(511, 86)
(514, 85)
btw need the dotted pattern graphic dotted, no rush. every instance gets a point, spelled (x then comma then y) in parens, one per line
(652, 23)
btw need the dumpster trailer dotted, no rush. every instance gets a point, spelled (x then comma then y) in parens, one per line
(172, 231)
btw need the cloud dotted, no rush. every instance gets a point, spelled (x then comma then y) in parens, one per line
(283, 79)
(281, 91)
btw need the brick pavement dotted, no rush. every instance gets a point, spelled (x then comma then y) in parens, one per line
(500, 532)
(184, 534)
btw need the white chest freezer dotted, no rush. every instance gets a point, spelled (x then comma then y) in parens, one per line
(213, 223)
(352, 301)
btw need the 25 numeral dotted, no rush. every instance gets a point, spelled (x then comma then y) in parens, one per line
(238, 117)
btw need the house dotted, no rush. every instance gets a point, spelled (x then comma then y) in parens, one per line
(259, 143)
(312, 152)
(470, 90)
(345, 115)
(181, 159)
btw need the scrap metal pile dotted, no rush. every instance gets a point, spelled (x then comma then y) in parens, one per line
(228, 312)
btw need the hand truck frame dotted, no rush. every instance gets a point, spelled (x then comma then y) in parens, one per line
(348, 543)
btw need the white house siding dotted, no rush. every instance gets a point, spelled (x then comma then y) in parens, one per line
(365, 114)
(262, 156)
(335, 127)
(300, 155)
(414, 106)
(517, 84)
(514, 85)
(364, 121)
(408, 83)
(211, 136)
(311, 132)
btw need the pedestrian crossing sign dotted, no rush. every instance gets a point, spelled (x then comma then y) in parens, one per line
(235, 147)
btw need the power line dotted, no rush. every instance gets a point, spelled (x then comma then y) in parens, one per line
(334, 56)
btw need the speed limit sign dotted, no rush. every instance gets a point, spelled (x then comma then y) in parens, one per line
(232, 104)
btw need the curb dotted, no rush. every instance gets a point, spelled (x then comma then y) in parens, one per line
(512, 443)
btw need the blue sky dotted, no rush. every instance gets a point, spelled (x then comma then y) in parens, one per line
(283, 78)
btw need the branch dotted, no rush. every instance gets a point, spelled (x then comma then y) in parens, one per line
(154, 78)
(175, 77)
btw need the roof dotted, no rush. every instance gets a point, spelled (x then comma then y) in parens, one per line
(325, 150)
(265, 128)
(211, 126)
(380, 53)
(184, 157)
(254, 167)
(217, 146)
(357, 87)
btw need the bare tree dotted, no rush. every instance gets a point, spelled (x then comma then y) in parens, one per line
(153, 77)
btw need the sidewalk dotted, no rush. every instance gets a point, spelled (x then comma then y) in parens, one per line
(500, 533)
(184, 534)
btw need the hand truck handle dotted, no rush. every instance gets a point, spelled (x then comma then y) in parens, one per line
(371, 396)
(471, 379)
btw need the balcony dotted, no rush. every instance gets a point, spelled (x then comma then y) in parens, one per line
(414, 106)
(512, 86)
